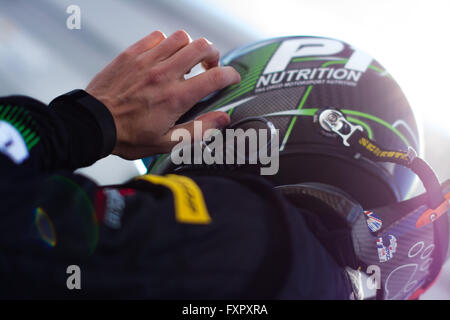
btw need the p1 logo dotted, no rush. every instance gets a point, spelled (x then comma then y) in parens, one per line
(308, 47)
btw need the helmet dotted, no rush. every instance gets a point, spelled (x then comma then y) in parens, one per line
(287, 80)
(341, 121)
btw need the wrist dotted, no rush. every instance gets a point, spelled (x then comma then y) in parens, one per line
(98, 111)
(114, 109)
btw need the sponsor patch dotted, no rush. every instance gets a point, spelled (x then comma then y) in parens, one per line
(190, 206)
(110, 204)
(373, 222)
(113, 208)
(12, 143)
(386, 253)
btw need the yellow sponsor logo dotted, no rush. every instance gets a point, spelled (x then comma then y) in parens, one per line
(381, 153)
(189, 203)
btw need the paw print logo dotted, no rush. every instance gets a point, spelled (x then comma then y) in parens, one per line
(402, 280)
(425, 254)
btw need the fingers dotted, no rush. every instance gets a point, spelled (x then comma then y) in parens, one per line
(200, 86)
(195, 129)
(168, 47)
(200, 50)
(147, 43)
(179, 54)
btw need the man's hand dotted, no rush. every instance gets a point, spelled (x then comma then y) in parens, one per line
(145, 90)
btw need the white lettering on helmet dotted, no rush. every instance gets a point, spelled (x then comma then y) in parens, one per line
(310, 47)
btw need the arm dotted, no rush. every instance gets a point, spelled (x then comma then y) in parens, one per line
(40, 145)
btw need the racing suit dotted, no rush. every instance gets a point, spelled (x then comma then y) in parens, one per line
(202, 236)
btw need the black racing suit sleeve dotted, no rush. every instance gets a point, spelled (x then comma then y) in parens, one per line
(69, 136)
(63, 236)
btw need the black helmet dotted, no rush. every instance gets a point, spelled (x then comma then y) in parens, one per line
(342, 122)
(287, 81)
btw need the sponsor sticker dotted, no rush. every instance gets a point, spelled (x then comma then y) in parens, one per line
(386, 253)
(373, 222)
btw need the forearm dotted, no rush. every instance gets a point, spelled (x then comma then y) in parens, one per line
(63, 135)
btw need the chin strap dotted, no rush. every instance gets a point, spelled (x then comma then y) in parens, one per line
(353, 136)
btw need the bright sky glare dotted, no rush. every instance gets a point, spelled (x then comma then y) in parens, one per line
(409, 37)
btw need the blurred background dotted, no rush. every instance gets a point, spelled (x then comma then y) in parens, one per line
(41, 57)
